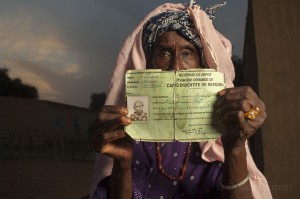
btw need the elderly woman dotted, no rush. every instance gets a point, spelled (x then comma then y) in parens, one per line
(178, 37)
(139, 114)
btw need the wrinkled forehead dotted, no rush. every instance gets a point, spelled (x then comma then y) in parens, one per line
(178, 21)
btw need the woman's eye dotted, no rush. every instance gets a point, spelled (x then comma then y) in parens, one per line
(164, 53)
(187, 54)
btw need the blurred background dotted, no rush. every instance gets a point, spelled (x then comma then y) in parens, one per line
(55, 64)
(67, 49)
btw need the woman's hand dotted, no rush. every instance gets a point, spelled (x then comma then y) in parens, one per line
(107, 136)
(232, 105)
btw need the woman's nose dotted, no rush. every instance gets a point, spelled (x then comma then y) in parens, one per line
(176, 63)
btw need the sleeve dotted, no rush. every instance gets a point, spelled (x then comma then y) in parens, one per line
(259, 185)
(103, 168)
(101, 190)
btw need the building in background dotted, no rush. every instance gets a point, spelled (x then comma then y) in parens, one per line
(38, 127)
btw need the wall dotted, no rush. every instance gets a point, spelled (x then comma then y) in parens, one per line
(272, 56)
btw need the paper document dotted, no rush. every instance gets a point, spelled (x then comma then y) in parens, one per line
(173, 105)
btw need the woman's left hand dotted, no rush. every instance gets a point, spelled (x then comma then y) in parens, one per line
(232, 105)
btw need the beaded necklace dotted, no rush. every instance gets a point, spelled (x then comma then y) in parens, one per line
(183, 168)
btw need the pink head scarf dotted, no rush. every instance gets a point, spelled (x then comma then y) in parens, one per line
(217, 52)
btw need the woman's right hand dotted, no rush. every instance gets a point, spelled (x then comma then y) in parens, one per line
(107, 135)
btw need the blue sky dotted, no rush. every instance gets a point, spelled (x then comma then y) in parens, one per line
(67, 48)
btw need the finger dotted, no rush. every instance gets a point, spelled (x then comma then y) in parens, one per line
(114, 109)
(241, 89)
(237, 120)
(104, 121)
(237, 126)
(242, 105)
(258, 120)
(109, 112)
(105, 117)
(234, 94)
(118, 149)
(110, 136)
(111, 125)
(234, 117)
(98, 142)
(239, 93)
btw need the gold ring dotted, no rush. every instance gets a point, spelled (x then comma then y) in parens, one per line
(252, 113)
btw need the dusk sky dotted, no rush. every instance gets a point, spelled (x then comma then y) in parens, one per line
(67, 48)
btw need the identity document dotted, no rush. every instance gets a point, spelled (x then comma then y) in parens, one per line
(173, 105)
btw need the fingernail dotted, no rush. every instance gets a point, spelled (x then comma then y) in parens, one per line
(222, 92)
(127, 120)
(124, 111)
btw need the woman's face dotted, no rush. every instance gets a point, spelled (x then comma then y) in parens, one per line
(173, 52)
(138, 107)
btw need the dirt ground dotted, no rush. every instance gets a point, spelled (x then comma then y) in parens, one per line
(44, 179)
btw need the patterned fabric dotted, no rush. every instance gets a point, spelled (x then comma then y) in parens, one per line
(135, 117)
(178, 21)
(201, 180)
(210, 11)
